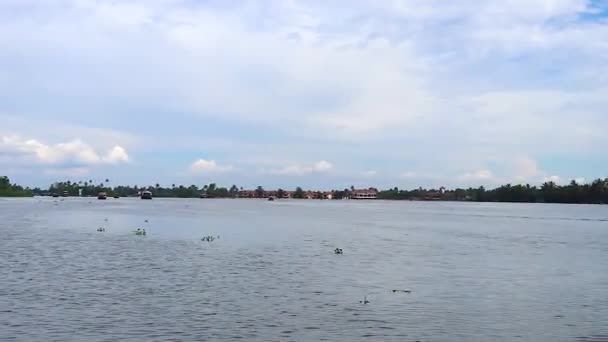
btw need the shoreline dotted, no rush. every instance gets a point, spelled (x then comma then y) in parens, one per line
(300, 200)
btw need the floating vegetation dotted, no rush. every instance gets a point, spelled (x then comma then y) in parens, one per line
(209, 238)
(101, 229)
(140, 232)
(338, 251)
(402, 291)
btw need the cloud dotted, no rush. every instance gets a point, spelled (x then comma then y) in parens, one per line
(300, 170)
(322, 166)
(456, 86)
(564, 181)
(75, 152)
(208, 166)
(554, 179)
(71, 171)
(116, 155)
(370, 173)
(526, 168)
(480, 176)
(409, 174)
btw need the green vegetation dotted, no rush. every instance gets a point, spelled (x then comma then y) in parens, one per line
(259, 192)
(90, 189)
(549, 192)
(12, 190)
(299, 193)
(281, 193)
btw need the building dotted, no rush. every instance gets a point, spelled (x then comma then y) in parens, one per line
(371, 193)
(435, 195)
(247, 194)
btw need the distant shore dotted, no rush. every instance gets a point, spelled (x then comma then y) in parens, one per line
(595, 192)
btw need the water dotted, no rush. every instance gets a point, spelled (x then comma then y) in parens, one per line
(477, 272)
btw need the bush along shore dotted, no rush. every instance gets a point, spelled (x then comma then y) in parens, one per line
(7, 189)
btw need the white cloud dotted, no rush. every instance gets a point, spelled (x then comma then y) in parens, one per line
(564, 181)
(447, 81)
(481, 175)
(322, 166)
(208, 166)
(116, 155)
(526, 168)
(300, 170)
(72, 152)
(409, 174)
(554, 179)
(71, 171)
(370, 173)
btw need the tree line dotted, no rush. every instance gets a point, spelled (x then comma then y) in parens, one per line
(595, 192)
(7, 189)
(88, 188)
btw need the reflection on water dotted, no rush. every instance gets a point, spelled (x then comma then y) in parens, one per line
(476, 272)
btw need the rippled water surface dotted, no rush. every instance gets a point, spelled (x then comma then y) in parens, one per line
(476, 272)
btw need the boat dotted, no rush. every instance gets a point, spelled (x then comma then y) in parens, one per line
(102, 196)
(146, 195)
(271, 198)
(55, 195)
(65, 194)
(116, 196)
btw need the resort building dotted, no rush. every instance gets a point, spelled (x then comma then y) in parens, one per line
(371, 193)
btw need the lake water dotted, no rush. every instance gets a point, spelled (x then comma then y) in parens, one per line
(476, 272)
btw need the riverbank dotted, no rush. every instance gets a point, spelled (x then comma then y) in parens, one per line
(595, 192)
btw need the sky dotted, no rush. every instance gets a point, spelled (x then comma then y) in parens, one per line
(319, 94)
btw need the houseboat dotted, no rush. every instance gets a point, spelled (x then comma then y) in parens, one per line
(146, 195)
(371, 193)
(102, 196)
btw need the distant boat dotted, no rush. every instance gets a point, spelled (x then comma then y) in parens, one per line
(271, 198)
(102, 196)
(116, 196)
(146, 195)
(65, 194)
(55, 195)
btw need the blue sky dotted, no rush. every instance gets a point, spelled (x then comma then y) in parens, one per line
(323, 94)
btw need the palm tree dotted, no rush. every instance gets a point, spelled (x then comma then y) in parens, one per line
(299, 193)
(259, 192)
